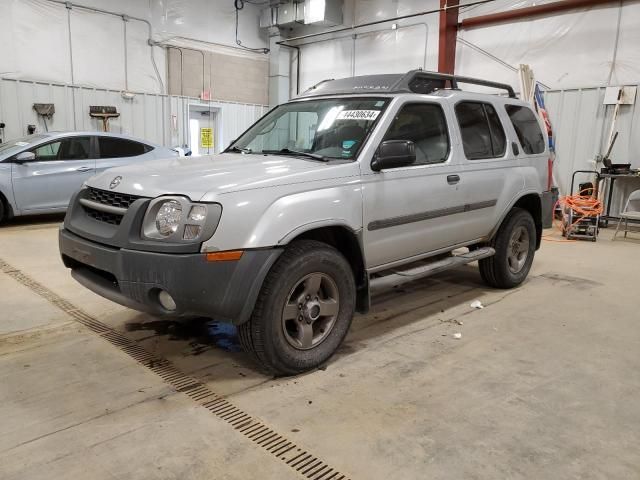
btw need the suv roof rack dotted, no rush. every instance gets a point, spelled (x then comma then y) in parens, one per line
(414, 81)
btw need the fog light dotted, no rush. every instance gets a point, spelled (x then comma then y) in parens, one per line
(166, 301)
(191, 232)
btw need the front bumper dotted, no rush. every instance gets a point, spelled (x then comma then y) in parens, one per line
(224, 290)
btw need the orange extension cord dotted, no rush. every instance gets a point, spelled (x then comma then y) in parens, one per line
(582, 205)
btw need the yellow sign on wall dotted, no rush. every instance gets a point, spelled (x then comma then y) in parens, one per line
(206, 137)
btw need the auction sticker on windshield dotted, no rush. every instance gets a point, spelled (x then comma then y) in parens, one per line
(358, 115)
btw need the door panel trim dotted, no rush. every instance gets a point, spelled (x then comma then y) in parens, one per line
(428, 215)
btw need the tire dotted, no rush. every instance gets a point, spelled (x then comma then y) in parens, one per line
(3, 210)
(286, 339)
(510, 266)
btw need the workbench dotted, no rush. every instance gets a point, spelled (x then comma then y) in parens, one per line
(608, 181)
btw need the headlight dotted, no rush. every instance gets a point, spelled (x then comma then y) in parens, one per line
(168, 218)
(177, 219)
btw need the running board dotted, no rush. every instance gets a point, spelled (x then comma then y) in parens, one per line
(398, 277)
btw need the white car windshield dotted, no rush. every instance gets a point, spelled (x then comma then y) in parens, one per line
(14, 146)
(334, 128)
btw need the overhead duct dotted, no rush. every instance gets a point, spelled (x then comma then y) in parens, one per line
(326, 13)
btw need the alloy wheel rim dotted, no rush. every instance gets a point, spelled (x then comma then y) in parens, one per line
(310, 311)
(518, 249)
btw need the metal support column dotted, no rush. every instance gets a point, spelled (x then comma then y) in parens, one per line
(448, 34)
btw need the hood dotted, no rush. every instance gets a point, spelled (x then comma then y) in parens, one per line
(216, 174)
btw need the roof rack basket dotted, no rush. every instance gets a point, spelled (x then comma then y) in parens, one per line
(415, 81)
(421, 81)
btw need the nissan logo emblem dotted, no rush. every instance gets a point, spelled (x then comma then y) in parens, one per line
(115, 182)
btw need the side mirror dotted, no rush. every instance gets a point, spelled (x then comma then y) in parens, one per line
(393, 154)
(23, 157)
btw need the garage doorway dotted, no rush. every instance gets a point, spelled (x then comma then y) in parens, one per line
(204, 134)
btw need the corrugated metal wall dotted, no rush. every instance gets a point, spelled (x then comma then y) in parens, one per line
(581, 125)
(157, 118)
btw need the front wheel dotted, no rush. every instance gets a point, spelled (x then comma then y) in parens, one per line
(515, 246)
(303, 311)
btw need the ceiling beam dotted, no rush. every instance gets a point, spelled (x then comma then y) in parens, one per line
(529, 12)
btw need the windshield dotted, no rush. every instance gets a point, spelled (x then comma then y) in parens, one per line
(19, 144)
(329, 128)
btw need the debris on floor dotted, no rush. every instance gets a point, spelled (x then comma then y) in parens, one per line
(457, 336)
(476, 304)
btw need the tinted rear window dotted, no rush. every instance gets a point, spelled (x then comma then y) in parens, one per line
(482, 132)
(111, 147)
(527, 128)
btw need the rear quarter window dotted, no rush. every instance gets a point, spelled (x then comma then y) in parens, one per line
(111, 147)
(527, 128)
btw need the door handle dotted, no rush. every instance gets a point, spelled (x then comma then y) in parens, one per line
(84, 169)
(453, 179)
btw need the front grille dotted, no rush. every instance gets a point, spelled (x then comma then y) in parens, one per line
(113, 199)
(105, 217)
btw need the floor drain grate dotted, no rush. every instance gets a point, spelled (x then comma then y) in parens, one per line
(306, 464)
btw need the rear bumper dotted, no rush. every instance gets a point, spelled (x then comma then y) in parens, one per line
(548, 199)
(225, 290)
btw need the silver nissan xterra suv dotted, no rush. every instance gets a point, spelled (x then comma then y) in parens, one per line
(357, 182)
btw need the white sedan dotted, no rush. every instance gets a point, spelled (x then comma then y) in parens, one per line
(39, 173)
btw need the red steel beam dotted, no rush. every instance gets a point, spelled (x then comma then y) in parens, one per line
(448, 35)
(528, 12)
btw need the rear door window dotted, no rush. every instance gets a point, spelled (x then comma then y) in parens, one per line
(481, 130)
(111, 147)
(498, 138)
(75, 148)
(527, 128)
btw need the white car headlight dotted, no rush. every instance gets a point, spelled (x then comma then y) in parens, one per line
(176, 219)
(168, 217)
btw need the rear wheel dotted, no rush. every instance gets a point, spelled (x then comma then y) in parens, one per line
(304, 309)
(515, 245)
(2, 210)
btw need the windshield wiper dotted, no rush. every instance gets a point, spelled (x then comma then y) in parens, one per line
(286, 151)
(239, 150)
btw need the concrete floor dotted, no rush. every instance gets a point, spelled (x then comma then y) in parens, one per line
(544, 382)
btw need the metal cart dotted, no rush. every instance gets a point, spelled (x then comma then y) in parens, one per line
(576, 225)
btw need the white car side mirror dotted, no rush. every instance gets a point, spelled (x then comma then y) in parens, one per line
(23, 157)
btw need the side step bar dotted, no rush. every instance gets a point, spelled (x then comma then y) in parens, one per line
(398, 277)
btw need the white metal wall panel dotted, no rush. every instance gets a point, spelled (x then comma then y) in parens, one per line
(328, 59)
(398, 50)
(35, 38)
(157, 118)
(581, 125)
